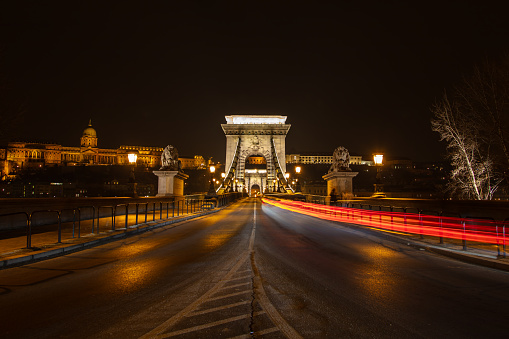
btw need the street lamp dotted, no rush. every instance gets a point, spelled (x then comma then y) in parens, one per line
(274, 185)
(297, 171)
(223, 175)
(378, 160)
(212, 190)
(133, 157)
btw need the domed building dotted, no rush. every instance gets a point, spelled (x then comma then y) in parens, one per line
(89, 138)
(20, 155)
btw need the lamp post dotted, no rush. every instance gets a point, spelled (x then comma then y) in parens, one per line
(212, 190)
(378, 160)
(133, 157)
(287, 176)
(273, 185)
(223, 175)
(236, 183)
(297, 187)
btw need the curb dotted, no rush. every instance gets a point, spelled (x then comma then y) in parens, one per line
(469, 258)
(29, 259)
(476, 259)
(452, 253)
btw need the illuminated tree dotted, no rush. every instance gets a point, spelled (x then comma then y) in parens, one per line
(472, 174)
(484, 97)
(474, 126)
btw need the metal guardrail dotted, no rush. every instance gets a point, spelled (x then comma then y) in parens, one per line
(174, 207)
(423, 222)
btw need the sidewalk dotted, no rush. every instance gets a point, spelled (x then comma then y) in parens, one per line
(76, 237)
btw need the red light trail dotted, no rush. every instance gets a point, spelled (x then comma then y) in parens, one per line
(478, 230)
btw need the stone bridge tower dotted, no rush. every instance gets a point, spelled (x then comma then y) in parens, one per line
(260, 136)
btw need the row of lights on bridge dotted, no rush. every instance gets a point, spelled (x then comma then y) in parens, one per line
(377, 159)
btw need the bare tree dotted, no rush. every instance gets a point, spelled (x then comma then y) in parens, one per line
(475, 123)
(484, 98)
(472, 175)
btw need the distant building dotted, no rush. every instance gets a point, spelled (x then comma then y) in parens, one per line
(309, 158)
(400, 164)
(196, 162)
(21, 155)
(322, 158)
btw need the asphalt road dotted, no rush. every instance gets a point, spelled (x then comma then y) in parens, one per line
(254, 270)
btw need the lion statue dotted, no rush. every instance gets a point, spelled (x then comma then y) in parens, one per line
(170, 159)
(340, 160)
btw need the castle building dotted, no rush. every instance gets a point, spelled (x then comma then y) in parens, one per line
(322, 158)
(21, 155)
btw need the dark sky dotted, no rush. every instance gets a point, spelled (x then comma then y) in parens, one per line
(359, 74)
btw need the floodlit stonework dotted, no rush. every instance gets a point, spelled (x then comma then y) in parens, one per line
(170, 183)
(255, 136)
(339, 178)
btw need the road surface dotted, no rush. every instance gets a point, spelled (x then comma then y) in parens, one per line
(253, 270)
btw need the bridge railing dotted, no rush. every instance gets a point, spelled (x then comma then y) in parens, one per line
(46, 226)
(424, 223)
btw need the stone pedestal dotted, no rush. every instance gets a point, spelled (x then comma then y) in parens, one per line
(171, 183)
(340, 181)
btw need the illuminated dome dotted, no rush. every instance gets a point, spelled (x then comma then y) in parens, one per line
(90, 131)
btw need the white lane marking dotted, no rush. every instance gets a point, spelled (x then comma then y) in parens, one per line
(228, 295)
(236, 285)
(194, 305)
(219, 308)
(262, 298)
(209, 325)
(239, 278)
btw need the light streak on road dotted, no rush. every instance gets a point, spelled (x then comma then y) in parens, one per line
(477, 230)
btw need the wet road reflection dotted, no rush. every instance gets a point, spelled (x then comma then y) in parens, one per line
(234, 271)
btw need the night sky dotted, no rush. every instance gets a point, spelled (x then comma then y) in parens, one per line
(359, 74)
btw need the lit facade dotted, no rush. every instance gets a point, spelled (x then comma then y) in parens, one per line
(20, 155)
(317, 158)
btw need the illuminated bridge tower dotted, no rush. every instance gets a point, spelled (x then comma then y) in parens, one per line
(255, 136)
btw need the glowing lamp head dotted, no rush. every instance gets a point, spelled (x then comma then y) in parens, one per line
(212, 169)
(132, 158)
(378, 158)
(297, 169)
(223, 175)
(287, 175)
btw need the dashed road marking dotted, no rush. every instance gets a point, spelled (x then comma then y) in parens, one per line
(253, 287)
(212, 324)
(220, 308)
(234, 286)
(228, 295)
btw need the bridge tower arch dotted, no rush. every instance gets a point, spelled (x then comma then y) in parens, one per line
(251, 135)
